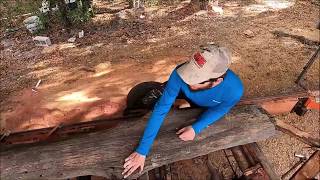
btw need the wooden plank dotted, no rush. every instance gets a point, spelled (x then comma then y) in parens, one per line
(309, 169)
(102, 153)
(305, 36)
(297, 133)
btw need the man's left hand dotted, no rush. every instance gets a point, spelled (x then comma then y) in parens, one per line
(186, 133)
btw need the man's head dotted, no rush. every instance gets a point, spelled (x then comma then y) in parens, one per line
(207, 84)
(206, 67)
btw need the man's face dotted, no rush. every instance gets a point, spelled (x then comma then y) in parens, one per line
(206, 84)
(202, 86)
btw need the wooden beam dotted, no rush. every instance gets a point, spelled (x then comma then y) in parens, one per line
(309, 169)
(297, 133)
(102, 153)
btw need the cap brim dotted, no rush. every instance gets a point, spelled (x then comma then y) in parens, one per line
(191, 74)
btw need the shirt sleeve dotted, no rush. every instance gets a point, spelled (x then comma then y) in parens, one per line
(211, 115)
(160, 111)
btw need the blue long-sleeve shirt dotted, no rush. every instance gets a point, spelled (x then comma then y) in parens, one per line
(217, 101)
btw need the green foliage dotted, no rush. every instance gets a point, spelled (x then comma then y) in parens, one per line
(80, 14)
(18, 7)
(44, 21)
(11, 10)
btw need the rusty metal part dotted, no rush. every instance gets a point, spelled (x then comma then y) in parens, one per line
(61, 132)
(4, 134)
(54, 129)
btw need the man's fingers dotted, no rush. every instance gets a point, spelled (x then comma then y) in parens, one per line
(183, 137)
(132, 169)
(181, 130)
(125, 171)
(141, 168)
(127, 164)
(130, 157)
(127, 168)
(132, 163)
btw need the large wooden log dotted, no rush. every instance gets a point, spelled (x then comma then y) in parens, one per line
(102, 153)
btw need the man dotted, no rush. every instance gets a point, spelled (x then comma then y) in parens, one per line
(206, 81)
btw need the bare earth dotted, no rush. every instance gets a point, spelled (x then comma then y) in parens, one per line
(90, 78)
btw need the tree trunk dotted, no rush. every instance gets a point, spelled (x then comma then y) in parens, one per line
(102, 153)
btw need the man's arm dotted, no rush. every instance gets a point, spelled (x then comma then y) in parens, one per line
(161, 109)
(211, 115)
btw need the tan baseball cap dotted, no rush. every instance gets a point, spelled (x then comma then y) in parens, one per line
(211, 62)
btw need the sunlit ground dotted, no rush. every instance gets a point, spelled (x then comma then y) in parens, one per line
(90, 91)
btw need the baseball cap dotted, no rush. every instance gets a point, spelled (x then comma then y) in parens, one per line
(211, 61)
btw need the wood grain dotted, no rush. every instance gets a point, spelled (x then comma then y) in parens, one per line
(102, 153)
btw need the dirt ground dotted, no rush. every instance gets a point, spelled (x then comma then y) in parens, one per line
(90, 78)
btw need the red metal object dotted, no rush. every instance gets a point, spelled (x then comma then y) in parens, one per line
(313, 103)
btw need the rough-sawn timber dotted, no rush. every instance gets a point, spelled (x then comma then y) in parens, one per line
(102, 153)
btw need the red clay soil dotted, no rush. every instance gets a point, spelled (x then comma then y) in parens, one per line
(100, 94)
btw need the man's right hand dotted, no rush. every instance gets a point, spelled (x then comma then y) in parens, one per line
(133, 162)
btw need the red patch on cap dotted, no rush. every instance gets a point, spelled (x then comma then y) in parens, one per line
(199, 59)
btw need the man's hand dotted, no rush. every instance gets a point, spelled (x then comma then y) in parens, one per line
(186, 133)
(133, 162)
